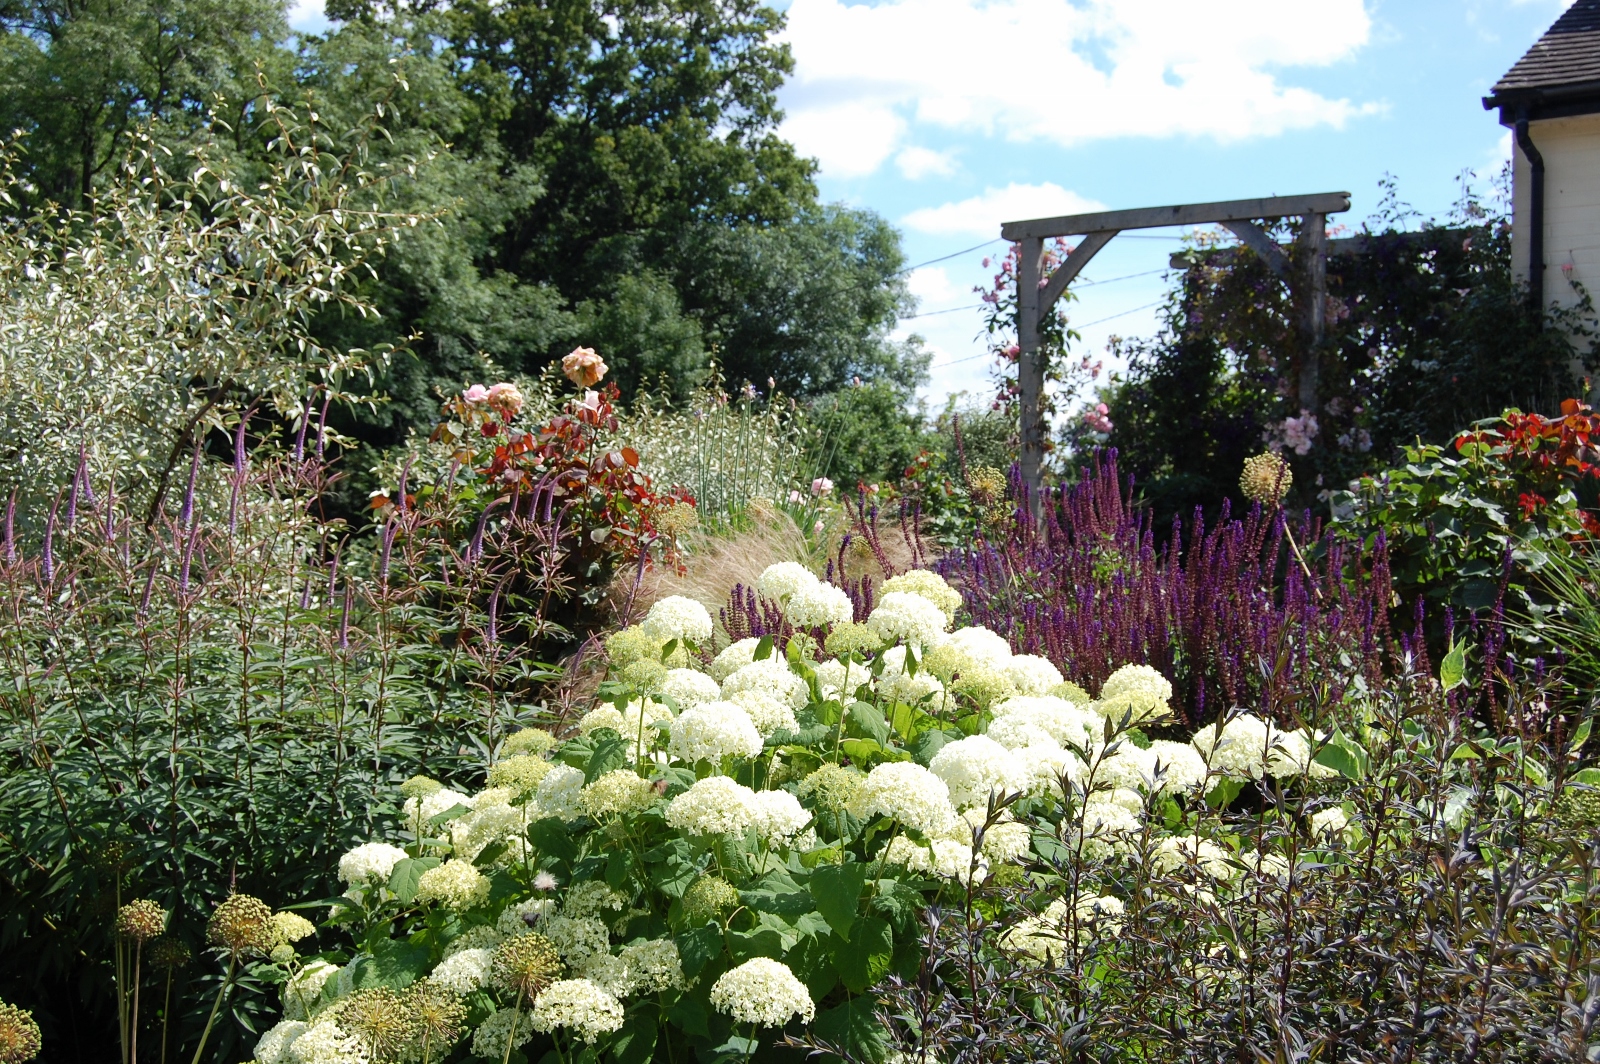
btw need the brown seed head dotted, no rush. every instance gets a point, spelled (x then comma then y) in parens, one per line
(19, 1035)
(242, 923)
(141, 920)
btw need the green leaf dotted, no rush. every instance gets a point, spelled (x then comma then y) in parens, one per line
(1339, 759)
(811, 960)
(928, 743)
(1223, 794)
(610, 752)
(403, 880)
(395, 964)
(867, 958)
(763, 649)
(551, 838)
(697, 946)
(636, 1042)
(762, 942)
(837, 890)
(855, 1028)
(860, 750)
(1453, 670)
(867, 722)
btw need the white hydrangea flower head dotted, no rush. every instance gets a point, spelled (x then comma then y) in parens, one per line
(908, 854)
(1031, 674)
(607, 971)
(929, 585)
(369, 863)
(490, 1039)
(767, 713)
(606, 716)
(638, 726)
(782, 581)
(440, 801)
(1063, 722)
(463, 971)
(579, 1006)
(560, 794)
(1237, 749)
(763, 992)
(1125, 767)
(838, 679)
(1043, 766)
(1039, 938)
(1266, 865)
(1102, 913)
(954, 860)
(1290, 755)
(1136, 690)
(1330, 824)
(976, 767)
(488, 823)
(654, 966)
(1184, 770)
(1178, 852)
(325, 1042)
(617, 793)
(678, 617)
(689, 688)
(515, 920)
(302, 991)
(1006, 840)
(779, 816)
(771, 676)
(273, 1047)
(733, 657)
(577, 937)
(715, 805)
(982, 645)
(456, 884)
(1109, 825)
(711, 731)
(821, 606)
(912, 690)
(904, 617)
(910, 794)
(592, 897)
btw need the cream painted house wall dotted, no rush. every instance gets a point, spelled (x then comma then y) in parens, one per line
(1571, 151)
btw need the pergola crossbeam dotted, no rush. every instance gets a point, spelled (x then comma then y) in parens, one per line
(1036, 293)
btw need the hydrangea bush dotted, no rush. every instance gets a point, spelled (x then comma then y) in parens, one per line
(739, 842)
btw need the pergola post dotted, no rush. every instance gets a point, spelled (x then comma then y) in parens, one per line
(1030, 366)
(1036, 294)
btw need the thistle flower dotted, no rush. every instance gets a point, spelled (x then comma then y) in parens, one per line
(241, 923)
(526, 964)
(141, 920)
(20, 1040)
(1266, 479)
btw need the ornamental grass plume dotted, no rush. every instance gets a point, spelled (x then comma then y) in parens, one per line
(20, 1040)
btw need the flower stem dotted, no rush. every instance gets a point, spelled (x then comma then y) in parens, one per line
(233, 961)
(511, 1035)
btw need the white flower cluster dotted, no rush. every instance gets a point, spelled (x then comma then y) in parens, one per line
(464, 971)
(456, 884)
(975, 768)
(689, 688)
(712, 731)
(715, 805)
(908, 793)
(372, 862)
(906, 617)
(762, 992)
(929, 585)
(784, 580)
(1247, 747)
(767, 712)
(1135, 691)
(732, 658)
(821, 606)
(579, 1006)
(769, 676)
(435, 804)
(677, 617)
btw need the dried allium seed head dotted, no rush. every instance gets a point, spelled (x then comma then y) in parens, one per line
(1266, 479)
(242, 923)
(383, 1021)
(171, 953)
(141, 920)
(678, 518)
(526, 964)
(19, 1035)
(986, 484)
(438, 1012)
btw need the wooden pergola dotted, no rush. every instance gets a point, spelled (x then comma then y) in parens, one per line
(1036, 294)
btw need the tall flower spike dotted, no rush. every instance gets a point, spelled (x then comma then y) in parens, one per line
(322, 427)
(11, 530)
(389, 530)
(186, 512)
(299, 451)
(50, 543)
(344, 616)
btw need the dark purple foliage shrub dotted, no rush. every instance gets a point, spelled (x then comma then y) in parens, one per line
(1227, 613)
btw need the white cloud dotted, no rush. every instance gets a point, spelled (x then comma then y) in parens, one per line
(849, 139)
(1063, 72)
(307, 17)
(917, 163)
(981, 215)
(933, 288)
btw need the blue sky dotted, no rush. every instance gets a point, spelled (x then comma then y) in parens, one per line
(950, 116)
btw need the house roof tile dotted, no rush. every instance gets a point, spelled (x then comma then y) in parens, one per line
(1568, 54)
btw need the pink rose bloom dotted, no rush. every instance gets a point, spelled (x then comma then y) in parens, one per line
(821, 486)
(507, 399)
(476, 394)
(583, 367)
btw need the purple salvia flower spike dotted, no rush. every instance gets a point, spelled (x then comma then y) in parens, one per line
(383, 559)
(322, 427)
(49, 557)
(344, 616)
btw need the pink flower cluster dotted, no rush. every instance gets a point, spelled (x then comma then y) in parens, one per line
(1096, 418)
